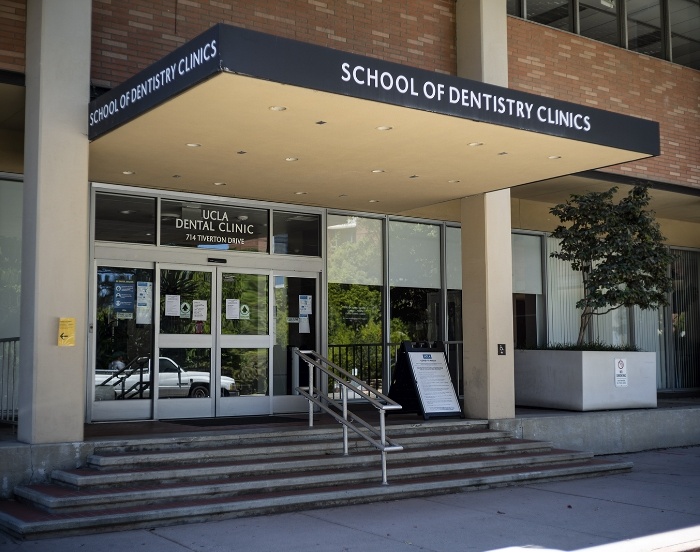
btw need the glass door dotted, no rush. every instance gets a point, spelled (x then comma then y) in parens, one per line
(243, 343)
(185, 342)
(296, 319)
(122, 336)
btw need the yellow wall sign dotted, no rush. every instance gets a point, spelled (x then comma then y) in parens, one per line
(66, 332)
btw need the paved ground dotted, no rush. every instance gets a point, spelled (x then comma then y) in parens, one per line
(660, 497)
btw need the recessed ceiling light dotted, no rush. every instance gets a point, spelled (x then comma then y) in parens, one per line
(242, 152)
(219, 183)
(320, 122)
(384, 127)
(377, 171)
(128, 172)
(554, 157)
(193, 145)
(502, 153)
(292, 159)
(413, 176)
(343, 195)
(453, 181)
(374, 201)
(127, 212)
(300, 193)
(177, 176)
(277, 108)
(474, 144)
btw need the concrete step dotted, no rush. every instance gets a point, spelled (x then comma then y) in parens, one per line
(235, 451)
(100, 478)
(26, 521)
(160, 481)
(55, 499)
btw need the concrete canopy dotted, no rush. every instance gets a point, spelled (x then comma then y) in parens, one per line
(327, 147)
(242, 114)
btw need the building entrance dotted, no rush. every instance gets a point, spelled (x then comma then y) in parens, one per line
(223, 338)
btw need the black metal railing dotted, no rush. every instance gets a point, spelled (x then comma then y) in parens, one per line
(365, 361)
(9, 379)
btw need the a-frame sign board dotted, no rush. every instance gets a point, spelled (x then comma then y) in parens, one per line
(421, 382)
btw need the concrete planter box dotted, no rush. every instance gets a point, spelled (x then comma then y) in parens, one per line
(584, 380)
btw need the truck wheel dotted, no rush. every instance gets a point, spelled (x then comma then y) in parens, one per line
(199, 392)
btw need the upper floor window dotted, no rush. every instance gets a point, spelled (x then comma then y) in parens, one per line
(666, 29)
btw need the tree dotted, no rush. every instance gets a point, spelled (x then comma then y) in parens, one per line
(619, 250)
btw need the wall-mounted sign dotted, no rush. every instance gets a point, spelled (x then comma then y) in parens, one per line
(205, 226)
(620, 372)
(66, 332)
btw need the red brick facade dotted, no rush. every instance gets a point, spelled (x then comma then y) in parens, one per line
(129, 36)
(13, 21)
(557, 64)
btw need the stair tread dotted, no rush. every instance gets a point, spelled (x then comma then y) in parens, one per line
(25, 514)
(397, 469)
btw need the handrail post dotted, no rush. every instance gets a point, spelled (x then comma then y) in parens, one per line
(382, 434)
(344, 393)
(311, 392)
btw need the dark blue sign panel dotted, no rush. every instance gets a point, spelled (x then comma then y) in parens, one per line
(236, 50)
(124, 296)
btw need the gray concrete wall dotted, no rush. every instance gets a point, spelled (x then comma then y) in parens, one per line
(21, 463)
(611, 432)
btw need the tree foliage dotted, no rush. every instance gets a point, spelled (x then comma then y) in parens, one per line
(617, 247)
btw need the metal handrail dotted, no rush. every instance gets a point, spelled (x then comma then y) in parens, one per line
(317, 395)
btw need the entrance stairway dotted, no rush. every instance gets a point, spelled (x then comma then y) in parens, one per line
(148, 482)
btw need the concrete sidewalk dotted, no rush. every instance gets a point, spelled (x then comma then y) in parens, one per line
(658, 503)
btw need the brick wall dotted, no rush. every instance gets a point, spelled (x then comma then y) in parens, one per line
(13, 20)
(128, 36)
(560, 65)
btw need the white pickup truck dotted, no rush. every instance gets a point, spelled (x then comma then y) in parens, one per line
(134, 381)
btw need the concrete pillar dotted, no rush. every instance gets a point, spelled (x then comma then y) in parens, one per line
(487, 306)
(55, 221)
(482, 41)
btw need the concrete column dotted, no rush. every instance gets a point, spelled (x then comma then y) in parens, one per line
(487, 306)
(482, 41)
(55, 221)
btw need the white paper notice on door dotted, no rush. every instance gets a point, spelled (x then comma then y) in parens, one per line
(304, 325)
(199, 309)
(172, 305)
(306, 304)
(233, 309)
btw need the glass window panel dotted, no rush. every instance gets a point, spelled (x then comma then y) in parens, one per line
(414, 274)
(685, 32)
(554, 13)
(124, 333)
(514, 7)
(248, 368)
(185, 373)
(206, 226)
(598, 20)
(453, 260)
(564, 289)
(185, 302)
(527, 264)
(244, 304)
(355, 253)
(683, 371)
(296, 234)
(126, 219)
(414, 255)
(355, 250)
(644, 27)
(10, 256)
